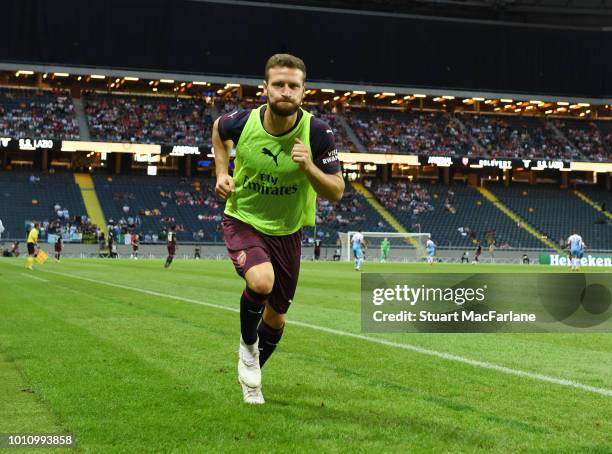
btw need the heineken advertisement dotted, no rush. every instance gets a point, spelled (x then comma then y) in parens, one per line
(587, 260)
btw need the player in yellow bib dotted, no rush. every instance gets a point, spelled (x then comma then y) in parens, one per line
(32, 243)
(284, 158)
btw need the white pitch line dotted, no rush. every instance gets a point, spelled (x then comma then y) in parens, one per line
(374, 340)
(34, 277)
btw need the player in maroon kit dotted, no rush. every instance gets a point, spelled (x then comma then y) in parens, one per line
(59, 244)
(171, 246)
(135, 240)
(477, 252)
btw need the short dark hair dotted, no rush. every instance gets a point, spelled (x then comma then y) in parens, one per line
(284, 61)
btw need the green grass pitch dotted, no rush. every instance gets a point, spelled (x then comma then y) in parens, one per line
(131, 357)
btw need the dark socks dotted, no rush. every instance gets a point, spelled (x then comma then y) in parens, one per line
(168, 261)
(251, 309)
(268, 339)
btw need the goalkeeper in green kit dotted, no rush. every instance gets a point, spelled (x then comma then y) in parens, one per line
(384, 250)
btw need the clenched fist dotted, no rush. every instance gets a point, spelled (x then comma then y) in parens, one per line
(225, 186)
(301, 155)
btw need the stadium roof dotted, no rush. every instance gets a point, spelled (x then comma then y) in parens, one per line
(596, 14)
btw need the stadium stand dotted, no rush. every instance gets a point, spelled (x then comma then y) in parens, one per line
(593, 139)
(384, 131)
(143, 118)
(331, 118)
(148, 119)
(555, 212)
(519, 137)
(455, 216)
(602, 199)
(41, 114)
(154, 203)
(151, 205)
(352, 212)
(35, 197)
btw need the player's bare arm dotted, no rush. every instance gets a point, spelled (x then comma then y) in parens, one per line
(330, 186)
(225, 183)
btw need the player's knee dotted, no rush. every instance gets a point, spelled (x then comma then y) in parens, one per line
(262, 285)
(261, 281)
(274, 319)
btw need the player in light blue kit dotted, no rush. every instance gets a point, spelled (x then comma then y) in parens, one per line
(358, 248)
(576, 247)
(431, 250)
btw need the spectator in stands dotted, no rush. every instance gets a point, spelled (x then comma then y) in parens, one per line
(492, 250)
(451, 196)
(448, 207)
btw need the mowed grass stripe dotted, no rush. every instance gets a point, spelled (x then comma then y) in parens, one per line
(328, 295)
(22, 407)
(126, 354)
(106, 391)
(414, 348)
(110, 389)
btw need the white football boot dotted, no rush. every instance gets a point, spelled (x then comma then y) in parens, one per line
(249, 372)
(252, 396)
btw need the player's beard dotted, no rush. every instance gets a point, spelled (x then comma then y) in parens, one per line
(288, 108)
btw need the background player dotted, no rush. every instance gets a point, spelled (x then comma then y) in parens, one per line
(477, 252)
(384, 250)
(135, 241)
(359, 247)
(59, 244)
(431, 250)
(171, 243)
(32, 244)
(576, 247)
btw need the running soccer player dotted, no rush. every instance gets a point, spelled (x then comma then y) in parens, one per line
(477, 252)
(431, 250)
(358, 247)
(384, 250)
(59, 244)
(171, 243)
(32, 243)
(135, 241)
(576, 247)
(284, 158)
